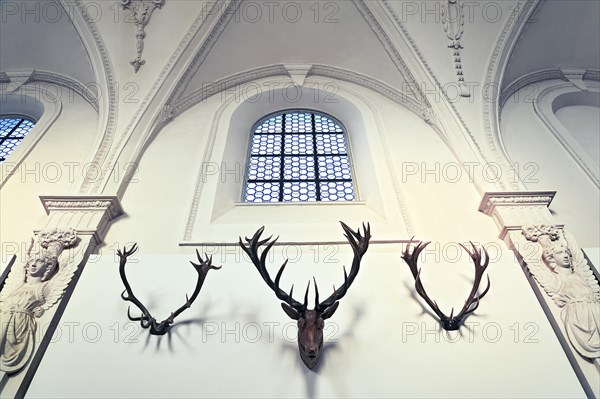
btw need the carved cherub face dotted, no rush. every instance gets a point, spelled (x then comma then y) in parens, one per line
(43, 267)
(558, 255)
(562, 256)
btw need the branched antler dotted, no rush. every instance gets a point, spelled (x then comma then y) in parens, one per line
(146, 320)
(471, 304)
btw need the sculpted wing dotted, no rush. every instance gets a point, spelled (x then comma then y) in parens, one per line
(14, 280)
(55, 287)
(581, 267)
(546, 279)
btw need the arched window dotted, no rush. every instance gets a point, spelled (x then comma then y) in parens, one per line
(13, 130)
(298, 156)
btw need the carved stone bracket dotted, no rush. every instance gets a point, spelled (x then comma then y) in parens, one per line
(88, 214)
(558, 273)
(511, 210)
(453, 19)
(141, 11)
(38, 288)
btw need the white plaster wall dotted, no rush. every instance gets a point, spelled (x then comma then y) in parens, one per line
(235, 341)
(544, 164)
(51, 168)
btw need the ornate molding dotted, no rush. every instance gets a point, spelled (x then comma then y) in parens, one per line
(453, 19)
(163, 116)
(298, 72)
(141, 12)
(527, 80)
(454, 111)
(543, 105)
(511, 210)
(392, 51)
(495, 71)
(207, 45)
(94, 44)
(491, 200)
(88, 214)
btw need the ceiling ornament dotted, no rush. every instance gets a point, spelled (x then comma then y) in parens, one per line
(453, 18)
(141, 11)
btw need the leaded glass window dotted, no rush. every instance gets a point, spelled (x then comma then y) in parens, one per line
(12, 131)
(299, 156)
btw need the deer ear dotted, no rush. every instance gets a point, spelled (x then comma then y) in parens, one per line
(330, 311)
(290, 311)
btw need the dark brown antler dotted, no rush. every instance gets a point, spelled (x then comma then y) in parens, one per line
(146, 320)
(359, 244)
(251, 248)
(449, 322)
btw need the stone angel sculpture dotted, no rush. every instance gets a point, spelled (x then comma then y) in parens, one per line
(564, 274)
(30, 291)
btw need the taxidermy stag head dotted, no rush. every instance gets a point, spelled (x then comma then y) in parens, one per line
(451, 322)
(310, 321)
(146, 320)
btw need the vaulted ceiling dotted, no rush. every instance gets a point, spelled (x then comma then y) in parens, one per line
(560, 34)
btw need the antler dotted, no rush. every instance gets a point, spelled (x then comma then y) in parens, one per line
(359, 244)
(471, 304)
(146, 320)
(251, 248)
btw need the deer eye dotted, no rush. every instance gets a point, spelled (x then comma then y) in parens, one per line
(301, 324)
(320, 324)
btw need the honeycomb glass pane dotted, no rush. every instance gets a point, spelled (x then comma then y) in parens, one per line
(6, 125)
(8, 146)
(23, 128)
(334, 167)
(299, 192)
(271, 125)
(298, 144)
(325, 125)
(337, 191)
(298, 122)
(262, 192)
(266, 144)
(264, 168)
(331, 144)
(299, 168)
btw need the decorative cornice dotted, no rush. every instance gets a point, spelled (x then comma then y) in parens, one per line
(110, 204)
(527, 80)
(491, 200)
(207, 45)
(493, 78)
(327, 71)
(392, 51)
(141, 12)
(392, 14)
(109, 124)
(165, 114)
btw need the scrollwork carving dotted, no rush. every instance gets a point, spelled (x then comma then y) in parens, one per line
(141, 11)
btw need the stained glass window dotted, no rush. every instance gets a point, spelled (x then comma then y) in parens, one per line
(12, 131)
(299, 156)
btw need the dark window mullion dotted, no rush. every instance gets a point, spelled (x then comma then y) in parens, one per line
(315, 156)
(282, 167)
(3, 139)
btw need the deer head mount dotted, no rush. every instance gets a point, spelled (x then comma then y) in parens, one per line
(451, 322)
(146, 320)
(310, 321)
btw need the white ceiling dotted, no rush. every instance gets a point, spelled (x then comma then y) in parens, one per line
(334, 36)
(561, 34)
(44, 40)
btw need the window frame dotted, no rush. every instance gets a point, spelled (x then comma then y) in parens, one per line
(268, 116)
